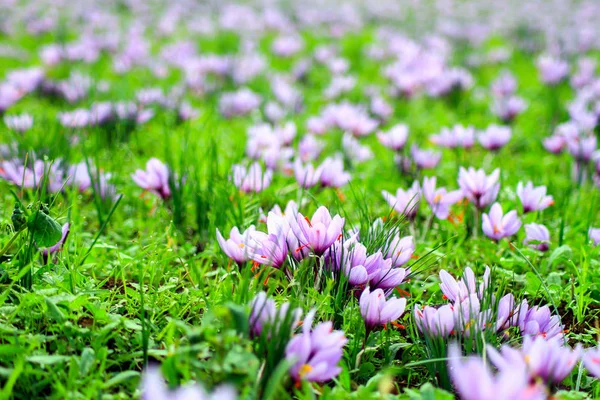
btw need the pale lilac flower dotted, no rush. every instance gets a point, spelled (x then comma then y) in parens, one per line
(306, 174)
(154, 179)
(287, 46)
(478, 187)
(473, 379)
(554, 144)
(433, 321)
(381, 273)
(591, 360)
(405, 202)
(338, 86)
(538, 321)
(586, 68)
(399, 250)
(155, 388)
(508, 108)
(582, 147)
(309, 148)
(395, 138)
(19, 123)
(496, 225)
(505, 85)
(552, 70)
(458, 291)
(332, 172)
(354, 150)
(455, 137)
(350, 258)
(27, 177)
(533, 198)
(594, 235)
(236, 247)
(505, 317)
(494, 137)
(251, 179)
(537, 237)
(316, 352)
(78, 118)
(265, 314)
(549, 360)
(269, 249)
(439, 199)
(9, 95)
(381, 108)
(377, 310)
(319, 232)
(239, 103)
(424, 158)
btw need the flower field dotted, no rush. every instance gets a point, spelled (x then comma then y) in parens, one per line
(299, 200)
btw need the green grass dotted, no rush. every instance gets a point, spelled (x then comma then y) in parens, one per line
(141, 280)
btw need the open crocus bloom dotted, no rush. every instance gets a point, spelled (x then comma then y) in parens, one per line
(496, 225)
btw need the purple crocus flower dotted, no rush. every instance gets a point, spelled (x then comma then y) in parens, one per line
(473, 379)
(533, 198)
(478, 187)
(66, 228)
(351, 258)
(594, 235)
(555, 144)
(424, 158)
(433, 321)
(381, 273)
(332, 172)
(591, 360)
(251, 179)
(457, 136)
(155, 388)
(552, 70)
(439, 199)
(458, 291)
(19, 123)
(495, 137)
(505, 85)
(319, 232)
(508, 108)
(309, 148)
(582, 147)
(265, 314)
(315, 353)
(240, 103)
(269, 249)
(354, 150)
(236, 247)
(154, 179)
(537, 237)
(538, 321)
(377, 310)
(505, 314)
(548, 360)
(406, 202)
(306, 174)
(400, 250)
(496, 225)
(395, 138)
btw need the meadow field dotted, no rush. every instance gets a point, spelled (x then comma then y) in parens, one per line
(299, 200)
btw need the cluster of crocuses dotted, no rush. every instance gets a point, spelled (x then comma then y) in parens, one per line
(313, 353)
(506, 105)
(55, 176)
(482, 191)
(528, 372)
(293, 236)
(464, 314)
